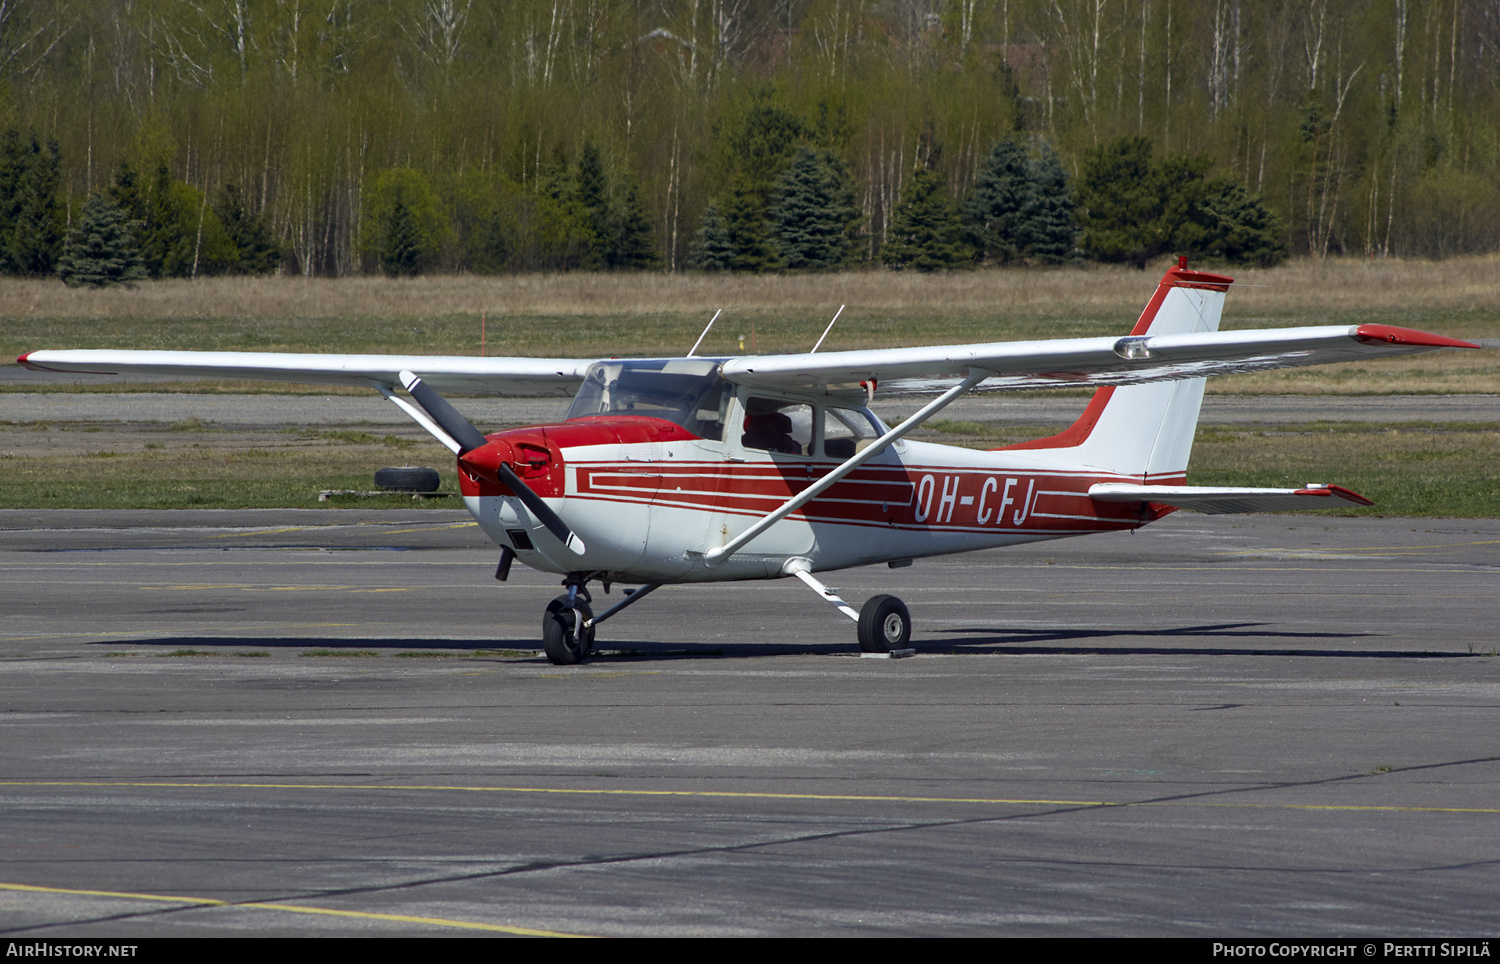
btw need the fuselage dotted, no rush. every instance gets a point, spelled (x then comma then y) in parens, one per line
(649, 497)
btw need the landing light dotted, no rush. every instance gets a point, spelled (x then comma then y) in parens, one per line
(1132, 348)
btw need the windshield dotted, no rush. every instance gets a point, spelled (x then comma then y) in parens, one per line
(688, 391)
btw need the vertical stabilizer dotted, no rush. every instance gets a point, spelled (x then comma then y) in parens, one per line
(1147, 431)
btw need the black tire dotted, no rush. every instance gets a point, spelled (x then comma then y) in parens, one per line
(407, 479)
(565, 646)
(884, 625)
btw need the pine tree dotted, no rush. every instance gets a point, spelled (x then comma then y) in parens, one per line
(592, 192)
(1239, 228)
(101, 249)
(926, 233)
(749, 235)
(1136, 209)
(996, 213)
(256, 252)
(631, 248)
(813, 212)
(1121, 192)
(712, 251)
(30, 217)
(165, 232)
(1048, 228)
(402, 254)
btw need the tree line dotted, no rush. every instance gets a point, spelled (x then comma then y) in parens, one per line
(344, 136)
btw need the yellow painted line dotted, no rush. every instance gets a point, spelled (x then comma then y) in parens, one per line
(750, 795)
(149, 634)
(273, 532)
(1443, 545)
(292, 908)
(451, 525)
(269, 532)
(246, 587)
(1268, 553)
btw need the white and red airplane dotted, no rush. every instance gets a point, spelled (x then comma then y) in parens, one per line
(677, 470)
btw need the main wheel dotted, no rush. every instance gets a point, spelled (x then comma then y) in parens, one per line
(884, 625)
(565, 641)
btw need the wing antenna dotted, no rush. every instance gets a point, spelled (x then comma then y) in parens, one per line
(705, 332)
(828, 329)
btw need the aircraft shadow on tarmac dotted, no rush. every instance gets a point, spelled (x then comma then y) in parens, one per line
(1017, 642)
(983, 642)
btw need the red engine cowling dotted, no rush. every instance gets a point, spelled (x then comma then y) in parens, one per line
(535, 452)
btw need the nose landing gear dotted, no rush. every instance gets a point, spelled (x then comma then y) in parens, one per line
(568, 624)
(568, 629)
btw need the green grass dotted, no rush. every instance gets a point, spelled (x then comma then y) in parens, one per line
(209, 478)
(1408, 469)
(362, 653)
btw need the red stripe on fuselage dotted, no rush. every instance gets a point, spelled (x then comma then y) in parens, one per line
(908, 497)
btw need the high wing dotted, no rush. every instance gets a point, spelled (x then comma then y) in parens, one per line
(451, 373)
(1058, 363)
(1077, 362)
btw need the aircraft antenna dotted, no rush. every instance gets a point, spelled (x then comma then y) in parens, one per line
(829, 328)
(705, 332)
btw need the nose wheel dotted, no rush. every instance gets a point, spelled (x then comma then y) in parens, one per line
(568, 630)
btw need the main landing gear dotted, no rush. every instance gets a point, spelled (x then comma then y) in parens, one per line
(569, 622)
(884, 623)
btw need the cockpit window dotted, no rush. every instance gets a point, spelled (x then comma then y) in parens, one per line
(688, 391)
(776, 425)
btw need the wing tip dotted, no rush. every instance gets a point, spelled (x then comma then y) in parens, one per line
(1394, 335)
(1347, 495)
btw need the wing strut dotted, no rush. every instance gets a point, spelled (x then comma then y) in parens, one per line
(714, 558)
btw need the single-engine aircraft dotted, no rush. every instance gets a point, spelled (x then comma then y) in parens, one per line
(697, 469)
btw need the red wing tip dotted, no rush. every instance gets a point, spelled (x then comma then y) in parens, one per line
(1348, 495)
(25, 362)
(1392, 335)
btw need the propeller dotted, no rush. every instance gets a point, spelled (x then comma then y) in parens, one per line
(492, 456)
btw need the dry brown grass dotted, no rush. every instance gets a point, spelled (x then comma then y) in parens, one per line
(1300, 287)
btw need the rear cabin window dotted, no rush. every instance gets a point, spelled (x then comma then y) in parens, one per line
(776, 425)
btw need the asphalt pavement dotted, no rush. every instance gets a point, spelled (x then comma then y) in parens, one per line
(337, 723)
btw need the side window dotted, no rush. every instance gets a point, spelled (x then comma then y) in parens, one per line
(772, 425)
(843, 430)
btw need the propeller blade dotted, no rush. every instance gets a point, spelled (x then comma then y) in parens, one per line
(446, 416)
(540, 509)
(469, 438)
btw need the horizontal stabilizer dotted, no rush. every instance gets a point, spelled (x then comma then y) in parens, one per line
(1217, 500)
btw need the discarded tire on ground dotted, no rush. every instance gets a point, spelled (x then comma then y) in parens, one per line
(407, 479)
